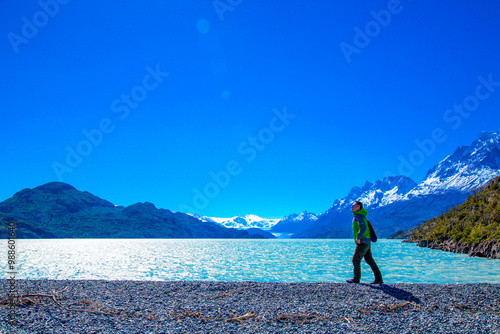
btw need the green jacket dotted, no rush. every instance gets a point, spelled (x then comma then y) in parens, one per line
(360, 228)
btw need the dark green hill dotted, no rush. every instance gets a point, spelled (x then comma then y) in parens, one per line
(471, 228)
(58, 210)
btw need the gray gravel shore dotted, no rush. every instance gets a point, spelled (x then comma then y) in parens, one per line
(95, 306)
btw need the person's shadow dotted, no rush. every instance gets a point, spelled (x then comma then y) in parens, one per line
(396, 293)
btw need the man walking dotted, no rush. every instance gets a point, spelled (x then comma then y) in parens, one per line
(363, 245)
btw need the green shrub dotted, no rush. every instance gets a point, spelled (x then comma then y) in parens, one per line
(475, 220)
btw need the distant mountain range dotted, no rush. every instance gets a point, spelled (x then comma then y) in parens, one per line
(251, 223)
(294, 223)
(58, 210)
(398, 203)
(282, 228)
(394, 204)
(336, 221)
(241, 222)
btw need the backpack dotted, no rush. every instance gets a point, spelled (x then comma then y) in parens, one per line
(373, 236)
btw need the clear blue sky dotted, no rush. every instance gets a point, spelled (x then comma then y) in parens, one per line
(172, 92)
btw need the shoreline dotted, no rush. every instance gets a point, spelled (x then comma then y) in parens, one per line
(486, 249)
(93, 306)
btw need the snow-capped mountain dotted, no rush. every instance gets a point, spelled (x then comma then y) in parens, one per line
(294, 223)
(300, 217)
(373, 195)
(468, 168)
(376, 194)
(282, 228)
(398, 203)
(394, 203)
(242, 222)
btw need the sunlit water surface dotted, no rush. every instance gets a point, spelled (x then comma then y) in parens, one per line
(309, 260)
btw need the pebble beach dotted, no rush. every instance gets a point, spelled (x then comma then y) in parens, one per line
(99, 306)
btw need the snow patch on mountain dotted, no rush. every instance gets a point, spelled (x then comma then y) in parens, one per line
(399, 203)
(242, 222)
(376, 194)
(300, 217)
(468, 168)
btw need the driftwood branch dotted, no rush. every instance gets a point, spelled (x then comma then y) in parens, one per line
(22, 299)
(26, 296)
(299, 318)
(241, 317)
(387, 308)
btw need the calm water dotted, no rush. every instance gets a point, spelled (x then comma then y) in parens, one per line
(286, 260)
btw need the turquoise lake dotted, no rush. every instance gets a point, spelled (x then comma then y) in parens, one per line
(281, 260)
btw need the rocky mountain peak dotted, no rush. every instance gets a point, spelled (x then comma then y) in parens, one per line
(301, 216)
(485, 136)
(397, 202)
(467, 168)
(378, 193)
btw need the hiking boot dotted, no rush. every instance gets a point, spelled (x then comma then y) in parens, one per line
(377, 282)
(352, 280)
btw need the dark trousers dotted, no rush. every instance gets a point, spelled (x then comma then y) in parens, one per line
(364, 251)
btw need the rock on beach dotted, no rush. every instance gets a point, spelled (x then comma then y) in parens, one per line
(99, 306)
